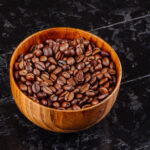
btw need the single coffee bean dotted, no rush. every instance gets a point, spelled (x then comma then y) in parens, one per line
(38, 52)
(51, 68)
(79, 78)
(86, 69)
(79, 58)
(94, 102)
(29, 90)
(95, 86)
(35, 88)
(47, 51)
(71, 82)
(98, 67)
(45, 76)
(21, 65)
(23, 87)
(36, 72)
(103, 81)
(68, 87)
(107, 75)
(23, 72)
(30, 76)
(47, 90)
(90, 93)
(53, 77)
(103, 90)
(64, 46)
(104, 53)
(41, 95)
(23, 79)
(88, 53)
(40, 66)
(107, 84)
(53, 98)
(66, 75)
(28, 67)
(16, 75)
(65, 104)
(84, 88)
(58, 55)
(57, 70)
(75, 107)
(99, 76)
(35, 59)
(75, 101)
(44, 102)
(80, 65)
(92, 69)
(59, 91)
(43, 58)
(57, 86)
(87, 77)
(60, 81)
(93, 80)
(70, 61)
(112, 65)
(97, 57)
(28, 56)
(96, 51)
(52, 60)
(112, 71)
(16, 66)
(56, 105)
(79, 51)
(79, 96)
(69, 52)
(70, 96)
(83, 101)
(61, 63)
(105, 61)
(100, 97)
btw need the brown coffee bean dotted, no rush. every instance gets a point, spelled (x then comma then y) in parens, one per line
(58, 55)
(56, 105)
(47, 51)
(57, 70)
(105, 61)
(47, 90)
(80, 65)
(61, 63)
(75, 101)
(45, 76)
(29, 90)
(103, 81)
(41, 95)
(103, 90)
(107, 84)
(76, 90)
(28, 67)
(35, 59)
(60, 81)
(88, 53)
(16, 75)
(79, 78)
(104, 53)
(53, 77)
(79, 96)
(70, 61)
(28, 56)
(65, 104)
(94, 102)
(86, 106)
(69, 52)
(96, 51)
(70, 96)
(107, 75)
(90, 93)
(30, 76)
(28, 83)
(93, 80)
(79, 58)
(79, 51)
(84, 88)
(52, 60)
(53, 98)
(40, 66)
(112, 71)
(68, 87)
(100, 97)
(83, 102)
(95, 86)
(43, 58)
(64, 46)
(35, 88)
(97, 57)
(59, 91)
(92, 69)
(66, 75)
(57, 86)
(51, 68)
(99, 76)
(98, 67)
(87, 77)
(44, 102)
(16, 66)
(23, 87)
(38, 52)
(36, 72)
(71, 82)
(75, 107)
(23, 72)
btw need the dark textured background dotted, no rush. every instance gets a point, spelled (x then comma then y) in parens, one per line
(125, 24)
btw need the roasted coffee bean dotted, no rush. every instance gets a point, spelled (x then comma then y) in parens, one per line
(23, 72)
(40, 66)
(47, 90)
(56, 105)
(103, 90)
(66, 74)
(100, 97)
(47, 51)
(80, 65)
(90, 93)
(23, 87)
(30, 76)
(43, 58)
(94, 102)
(75, 107)
(64, 46)
(38, 52)
(35, 88)
(41, 95)
(44, 102)
(70, 61)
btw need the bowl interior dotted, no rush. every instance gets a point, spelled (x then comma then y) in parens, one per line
(66, 33)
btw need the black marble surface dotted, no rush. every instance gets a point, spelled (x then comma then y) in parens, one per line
(123, 24)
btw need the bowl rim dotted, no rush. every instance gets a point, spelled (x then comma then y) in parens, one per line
(65, 28)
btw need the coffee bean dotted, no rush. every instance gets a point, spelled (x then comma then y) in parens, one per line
(87, 77)
(107, 75)
(90, 93)
(103, 90)
(95, 86)
(79, 96)
(93, 80)
(75, 107)
(57, 70)
(79, 51)
(69, 52)
(102, 81)
(65, 104)
(35, 59)
(98, 67)
(58, 55)
(104, 53)
(59, 91)
(29, 90)
(96, 51)
(53, 77)
(94, 102)
(45, 76)
(23, 72)
(40, 66)
(41, 95)
(35, 88)
(28, 56)
(47, 90)
(97, 57)
(100, 97)
(38, 52)
(70, 96)
(66, 75)
(79, 78)
(112, 71)
(47, 51)
(105, 61)
(23, 87)
(64, 46)
(83, 101)
(28, 83)
(51, 68)
(84, 88)
(80, 65)
(86, 106)
(71, 82)
(99, 76)
(70, 61)
(79, 58)
(56, 105)
(88, 53)
(68, 87)
(57, 86)
(43, 58)
(106, 85)
(53, 98)
(44, 102)
(16, 75)
(86, 69)
(30, 76)
(61, 63)
(16, 66)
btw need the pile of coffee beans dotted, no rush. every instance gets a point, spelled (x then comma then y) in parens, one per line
(66, 74)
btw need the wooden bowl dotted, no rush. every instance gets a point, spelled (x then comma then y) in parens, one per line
(64, 121)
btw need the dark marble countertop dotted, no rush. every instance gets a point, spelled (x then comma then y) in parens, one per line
(123, 24)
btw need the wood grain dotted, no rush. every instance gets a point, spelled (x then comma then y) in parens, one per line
(64, 121)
